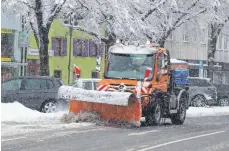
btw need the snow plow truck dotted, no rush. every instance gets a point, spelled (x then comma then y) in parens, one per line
(138, 82)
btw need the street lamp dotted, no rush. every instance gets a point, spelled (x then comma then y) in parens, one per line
(70, 46)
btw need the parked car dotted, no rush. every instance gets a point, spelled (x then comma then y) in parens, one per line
(39, 93)
(88, 84)
(202, 92)
(222, 94)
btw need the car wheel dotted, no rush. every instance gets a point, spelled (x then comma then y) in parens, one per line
(49, 106)
(199, 101)
(224, 102)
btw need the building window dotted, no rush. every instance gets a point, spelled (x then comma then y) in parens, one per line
(7, 45)
(225, 42)
(96, 49)
(194, 34)
(33, 67)
(203, 36)
(220, 41)
(57, 74)
(94, 74)
(185, 33)
(80, 47)
(59, 46)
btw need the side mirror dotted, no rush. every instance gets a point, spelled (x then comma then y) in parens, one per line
(158, 77)
(148, 73)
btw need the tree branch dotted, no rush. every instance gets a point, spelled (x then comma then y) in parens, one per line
(90, 33)
(56, 9)
(151, 11)
(27, 4)
(35, 32)
(191, 17)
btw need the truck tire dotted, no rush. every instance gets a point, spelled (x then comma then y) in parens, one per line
(154, 115)
(180, 116)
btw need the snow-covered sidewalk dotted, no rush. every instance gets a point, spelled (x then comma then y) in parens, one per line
(17, 119)
(207, 111)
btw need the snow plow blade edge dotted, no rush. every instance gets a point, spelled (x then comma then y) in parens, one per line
(121, 106)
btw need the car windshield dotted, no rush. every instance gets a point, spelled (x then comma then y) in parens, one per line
(129, 66)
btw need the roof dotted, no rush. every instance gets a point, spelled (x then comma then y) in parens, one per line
(131, 49)
(200, 78)
(176, 61)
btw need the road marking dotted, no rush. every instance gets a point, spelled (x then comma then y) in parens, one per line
(3, 140)
(76, 132)
(142, 133)
(143, 146)
(131, 149)
(180, 140)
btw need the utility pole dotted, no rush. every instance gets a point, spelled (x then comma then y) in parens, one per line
(22, 48)
(70, 47)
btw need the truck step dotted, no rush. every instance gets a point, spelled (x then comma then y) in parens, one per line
(173, 111)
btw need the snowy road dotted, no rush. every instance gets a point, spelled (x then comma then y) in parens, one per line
(205, 129)
(197, 133)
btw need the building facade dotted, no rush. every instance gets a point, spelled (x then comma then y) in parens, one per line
(11, 57)
(84, 53)
(190, 43)
(221, 74)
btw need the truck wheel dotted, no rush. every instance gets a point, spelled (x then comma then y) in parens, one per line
(154, 116)
(179, 117)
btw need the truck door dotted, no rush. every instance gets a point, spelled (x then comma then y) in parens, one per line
(162, 73)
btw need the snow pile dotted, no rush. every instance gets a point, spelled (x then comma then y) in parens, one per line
(207, 111)
(81, 117)
(93, 117)
(17, 119)
(16, 112)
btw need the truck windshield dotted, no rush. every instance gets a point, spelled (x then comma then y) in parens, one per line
(129, 66)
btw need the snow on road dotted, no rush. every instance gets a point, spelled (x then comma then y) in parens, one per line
(17, 119)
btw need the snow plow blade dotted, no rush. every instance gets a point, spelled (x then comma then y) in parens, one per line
(121, 106)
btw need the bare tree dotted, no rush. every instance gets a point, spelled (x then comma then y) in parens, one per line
(216, 18)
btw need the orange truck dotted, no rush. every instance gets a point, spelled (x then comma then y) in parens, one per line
(138, 82)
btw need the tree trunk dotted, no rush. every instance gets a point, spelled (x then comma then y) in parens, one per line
(212, 49)
(162, 43)
(43, 51)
